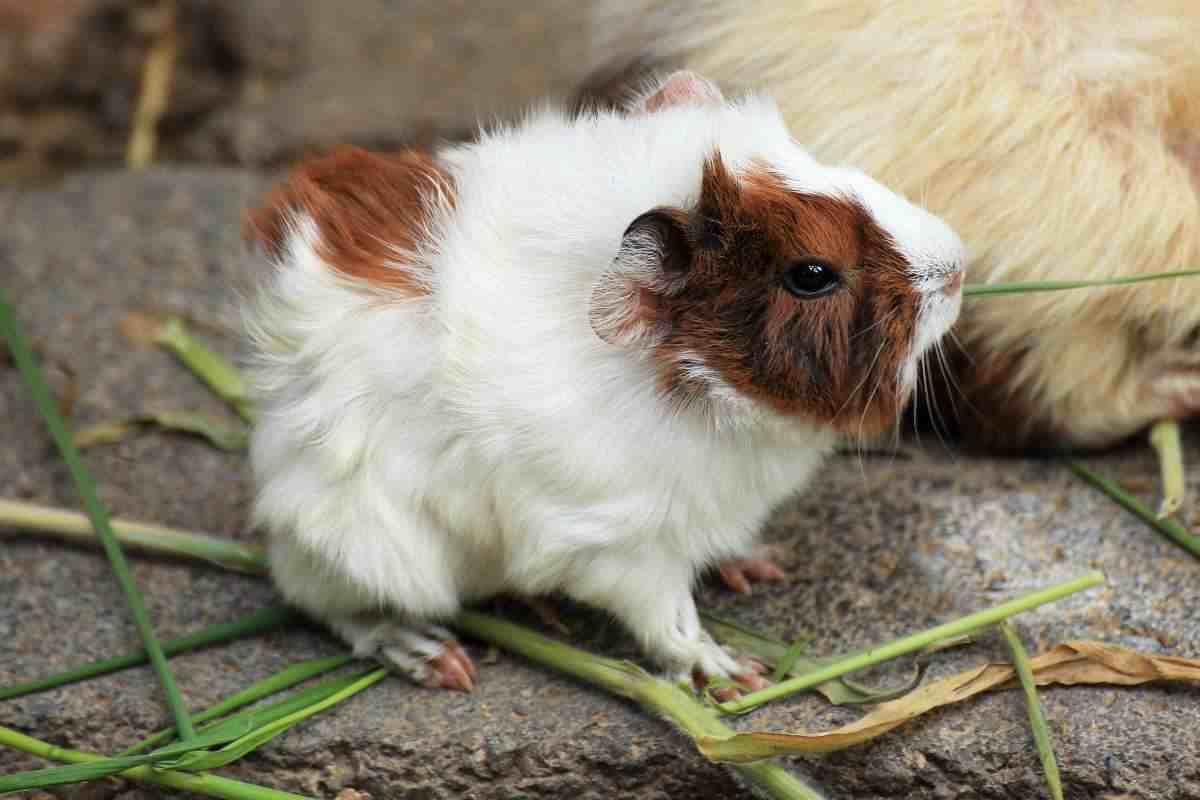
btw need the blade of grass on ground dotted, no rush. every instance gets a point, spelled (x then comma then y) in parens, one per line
(343, 689)
(789, 660)
(630, 681)
(202, 784)
(99, 768)
(1069, 664)
(239, 735)
(74, 527)
(1167, 527)
(218, 433)
(1024, 287)
(285, 679)
(911, 644)
(221, 377)
(1164, 437)
(256, 622)
(1037, 721)
(96, 511)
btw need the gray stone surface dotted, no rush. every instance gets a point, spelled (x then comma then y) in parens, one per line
(378, 72)
(878, 547)
(260, 81)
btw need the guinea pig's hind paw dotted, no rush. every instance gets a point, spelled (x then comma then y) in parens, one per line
(431, 657)
(738, 573)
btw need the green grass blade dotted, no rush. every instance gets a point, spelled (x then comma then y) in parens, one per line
(218, 433)
(788, 660)
(202, 784)
(257, 622)
(219, 374)
(840, 691)
(911, 644)
(76, 773)
(264, 733)
(96, 511)
(1167, 527)
(146, 536)
(1164, 438)
(628, 680)
(1024, 287)
(273, 684)
(265, 714)
(1037, 721)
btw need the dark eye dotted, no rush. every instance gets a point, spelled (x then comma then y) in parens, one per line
(807, 279)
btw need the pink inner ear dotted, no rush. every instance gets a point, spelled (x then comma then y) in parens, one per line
(679, 88)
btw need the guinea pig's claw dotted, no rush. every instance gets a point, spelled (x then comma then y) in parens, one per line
(738, 573)
(452, 668)
(751, 680)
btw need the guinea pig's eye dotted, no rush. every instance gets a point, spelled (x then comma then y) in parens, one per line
(810, 278)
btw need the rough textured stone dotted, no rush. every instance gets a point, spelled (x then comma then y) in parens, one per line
(260, 81)
(880, 547)
(381, 73)
(70, 74)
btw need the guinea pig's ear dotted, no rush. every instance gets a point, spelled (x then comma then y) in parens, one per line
(679, 88)
(629, 305)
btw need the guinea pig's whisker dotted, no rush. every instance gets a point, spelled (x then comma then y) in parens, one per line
(882, 321)
(871, 397)
(961, 348)
(935, 410)
(951, 380)
(867, 374)
(958, 394)
(861, 383)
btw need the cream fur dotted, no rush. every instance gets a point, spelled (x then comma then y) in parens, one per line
(1061, 139)
(413, 454)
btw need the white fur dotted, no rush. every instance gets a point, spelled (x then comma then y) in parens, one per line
(414, 454)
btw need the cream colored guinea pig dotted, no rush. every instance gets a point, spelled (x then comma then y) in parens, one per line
(1061, 139)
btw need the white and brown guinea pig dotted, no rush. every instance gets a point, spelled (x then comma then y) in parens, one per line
(1060, 139)
(588, 353)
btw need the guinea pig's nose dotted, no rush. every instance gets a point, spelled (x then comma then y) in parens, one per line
(953, 283)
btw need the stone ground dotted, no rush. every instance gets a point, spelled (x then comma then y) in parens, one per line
(878, 547)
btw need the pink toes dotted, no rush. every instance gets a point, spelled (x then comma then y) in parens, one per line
(738, 573)
(452, 668)
(751, 679)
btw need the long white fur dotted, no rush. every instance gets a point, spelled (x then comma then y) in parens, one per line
(415, 454)
(1060, 139)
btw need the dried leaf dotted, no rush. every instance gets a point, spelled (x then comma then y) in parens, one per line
(1078, 662)
(141, 328)
(219, 434)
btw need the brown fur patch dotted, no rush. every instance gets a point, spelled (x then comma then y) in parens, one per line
(834, 359)
(370, 208)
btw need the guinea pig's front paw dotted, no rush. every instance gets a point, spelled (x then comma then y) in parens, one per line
(712, 662)
(750, 677)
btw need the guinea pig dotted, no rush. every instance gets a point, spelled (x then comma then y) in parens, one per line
(587, 353)
(1060, 139)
